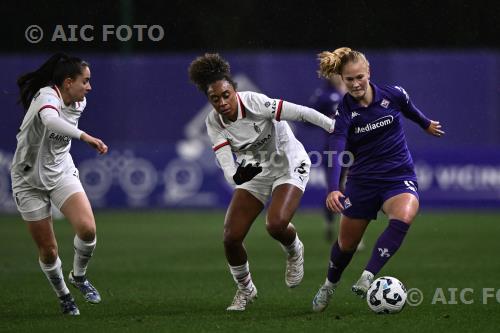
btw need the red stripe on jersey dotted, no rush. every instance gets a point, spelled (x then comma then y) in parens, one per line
(220, 146)
(48, 106)
(278, 112)
(57, 91)
(242, 107)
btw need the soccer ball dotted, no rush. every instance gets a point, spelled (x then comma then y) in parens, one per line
(386, 295)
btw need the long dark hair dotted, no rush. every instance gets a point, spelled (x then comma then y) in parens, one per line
(208, 69)
(54, 71)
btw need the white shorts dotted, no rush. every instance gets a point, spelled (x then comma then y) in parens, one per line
(263, 187)
(34, 204)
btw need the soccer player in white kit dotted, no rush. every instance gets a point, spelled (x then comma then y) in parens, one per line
(270, 163)
(43, 172)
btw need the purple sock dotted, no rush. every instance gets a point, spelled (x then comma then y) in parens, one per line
(338, 262)
(387, 245)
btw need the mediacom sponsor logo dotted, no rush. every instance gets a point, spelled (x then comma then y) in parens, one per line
(381, 122)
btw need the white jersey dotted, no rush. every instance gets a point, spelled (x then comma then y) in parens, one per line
(42, 156)
(259, 135)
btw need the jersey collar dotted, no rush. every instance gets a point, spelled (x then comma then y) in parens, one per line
(377, 97)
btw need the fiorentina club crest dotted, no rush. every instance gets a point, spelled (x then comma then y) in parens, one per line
(347, 203)
(384, 103)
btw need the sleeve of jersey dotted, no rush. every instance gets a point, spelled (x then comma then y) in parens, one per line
(223, 153)
(50, 118)
(225, 158)
(409, 109)
(291, 111)
(336, 145)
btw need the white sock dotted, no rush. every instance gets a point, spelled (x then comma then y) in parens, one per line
(83, 253)
(367, 274)
(292, 248)
(330, 284)
(242, 277)
(54, 274)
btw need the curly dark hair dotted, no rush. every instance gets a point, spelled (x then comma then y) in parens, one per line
(209, 68)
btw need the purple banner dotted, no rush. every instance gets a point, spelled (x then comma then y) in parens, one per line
(152, 119)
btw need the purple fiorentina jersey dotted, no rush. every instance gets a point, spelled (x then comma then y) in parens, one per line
(375, 136)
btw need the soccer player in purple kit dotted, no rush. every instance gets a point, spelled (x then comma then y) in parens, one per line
(382, 174)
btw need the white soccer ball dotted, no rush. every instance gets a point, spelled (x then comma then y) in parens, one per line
(386, 295)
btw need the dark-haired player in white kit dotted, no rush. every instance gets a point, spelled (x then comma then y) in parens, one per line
(43, 171)
(270, 163)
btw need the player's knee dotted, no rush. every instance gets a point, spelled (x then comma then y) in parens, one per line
(406, 218)
(348, 245)
(87, 234)
(276, 226)
(48, 254)
(231, 239)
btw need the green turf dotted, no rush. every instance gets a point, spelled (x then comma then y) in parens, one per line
(165, 271)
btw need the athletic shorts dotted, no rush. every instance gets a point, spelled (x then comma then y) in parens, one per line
(34, 204)
(364, 199)
(263, 187)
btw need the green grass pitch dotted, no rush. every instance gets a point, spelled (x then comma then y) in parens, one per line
(166, 272)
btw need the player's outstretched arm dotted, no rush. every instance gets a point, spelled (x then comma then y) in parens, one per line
(293, 111)
(95, 143)
(435, 129)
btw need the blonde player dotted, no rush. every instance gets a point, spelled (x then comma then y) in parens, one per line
(43, 171)
(270, 163)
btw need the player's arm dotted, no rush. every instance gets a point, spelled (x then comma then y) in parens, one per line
(278, 109)
(411, 112)
(336, 145)
(291, 111)
(235, 174)
(49, 115)
(50, 118)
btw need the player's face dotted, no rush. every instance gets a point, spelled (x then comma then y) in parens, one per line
(356, 76)
(222, 96)
(78, 87)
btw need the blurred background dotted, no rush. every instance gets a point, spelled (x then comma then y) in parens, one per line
(143, 106)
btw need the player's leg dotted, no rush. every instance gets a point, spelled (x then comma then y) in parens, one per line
(242, 211)
(76, 208)
(401, 210)
(285, 201)
(351, 232)
(42, 233)
(34, 206)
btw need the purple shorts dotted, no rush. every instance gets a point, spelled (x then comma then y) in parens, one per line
(364, 199)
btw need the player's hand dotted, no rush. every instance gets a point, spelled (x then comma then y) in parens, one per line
(95, 142)
(244, 173)
(435, 129)
(333, 201)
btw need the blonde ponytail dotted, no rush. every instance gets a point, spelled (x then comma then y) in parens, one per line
(331, 63)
